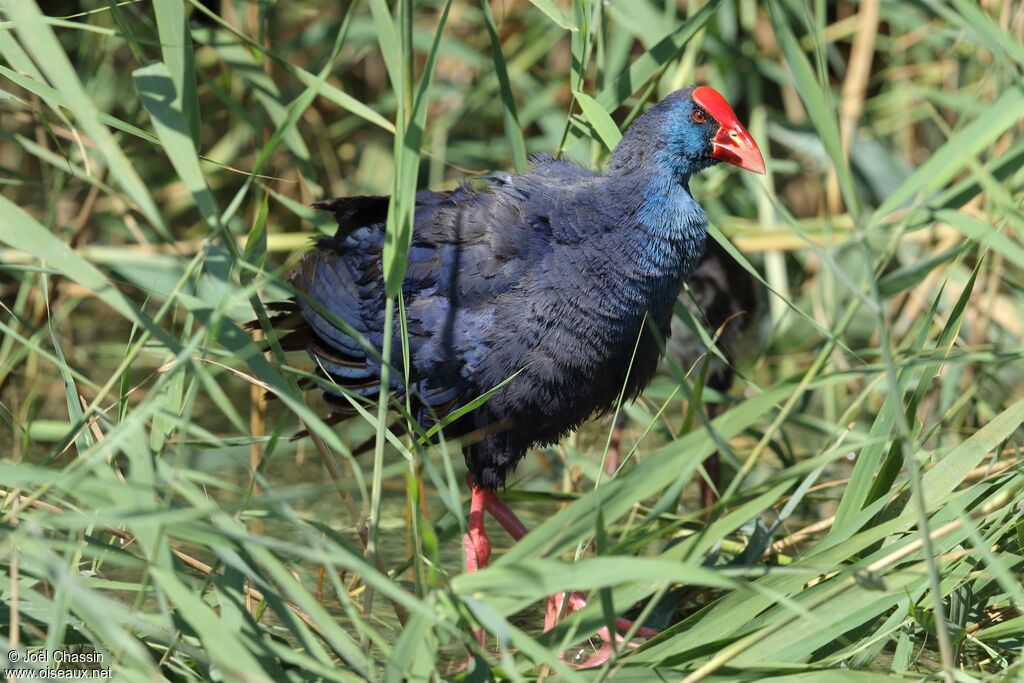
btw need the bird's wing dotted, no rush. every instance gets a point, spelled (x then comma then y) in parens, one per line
(470, 252)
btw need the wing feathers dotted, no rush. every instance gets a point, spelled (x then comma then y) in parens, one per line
(471, 249)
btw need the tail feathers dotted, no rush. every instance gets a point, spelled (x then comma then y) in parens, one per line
(283, 313)
(292, 332)
(348, 364)
(337, 281)
(326, 279)
(345, 366)
(355, 212)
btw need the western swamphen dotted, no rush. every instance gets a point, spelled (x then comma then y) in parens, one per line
(549, 278)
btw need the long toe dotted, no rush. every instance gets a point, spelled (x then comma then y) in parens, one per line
(599, 657)
(563, 604)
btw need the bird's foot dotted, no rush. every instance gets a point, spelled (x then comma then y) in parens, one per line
(478, 553)
(562, 604)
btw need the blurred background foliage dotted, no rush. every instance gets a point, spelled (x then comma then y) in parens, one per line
(157, 161)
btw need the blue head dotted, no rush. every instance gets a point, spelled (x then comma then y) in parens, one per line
(686, 132)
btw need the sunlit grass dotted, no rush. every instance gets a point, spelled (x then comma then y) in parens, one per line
(157, 163)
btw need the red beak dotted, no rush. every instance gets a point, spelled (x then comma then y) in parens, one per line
(732, 143)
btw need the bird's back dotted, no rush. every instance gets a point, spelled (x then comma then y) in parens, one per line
(472, 252)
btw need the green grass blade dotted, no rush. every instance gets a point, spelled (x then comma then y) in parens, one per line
(556, 15)
(940, 482)
(233, 660)
(602, 122)
(176, 48)
(513, 130)
(650, 63)
(817, 102)
(164, 104)
(39, 39)
(950, 159)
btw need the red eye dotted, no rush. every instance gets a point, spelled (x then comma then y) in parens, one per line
(699, 116)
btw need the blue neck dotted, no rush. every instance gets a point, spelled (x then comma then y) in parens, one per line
(667, 225)
(668, 209)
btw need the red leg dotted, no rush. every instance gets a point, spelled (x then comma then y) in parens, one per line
(576, 600)
(504, 515)
(475, 542)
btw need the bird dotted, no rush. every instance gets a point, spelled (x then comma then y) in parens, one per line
(536, 287)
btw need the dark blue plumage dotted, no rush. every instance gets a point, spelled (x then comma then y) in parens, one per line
(549, 274)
